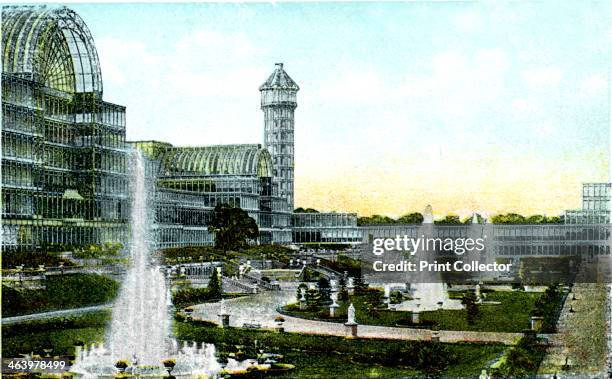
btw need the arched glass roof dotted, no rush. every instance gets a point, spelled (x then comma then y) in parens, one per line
(248, 160)
(52, 46)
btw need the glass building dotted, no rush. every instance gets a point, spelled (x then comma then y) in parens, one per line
(191, 181)
(325, 228)
(63, 158)
(585, 233)
(595, 205)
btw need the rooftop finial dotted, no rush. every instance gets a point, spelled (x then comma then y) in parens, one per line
(279, 65)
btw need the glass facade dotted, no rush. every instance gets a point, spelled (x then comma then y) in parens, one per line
(191, 181)
(595, 205)
(64, 175)
(509, 241)
(64, 155)
(585, 233)
(325, 228)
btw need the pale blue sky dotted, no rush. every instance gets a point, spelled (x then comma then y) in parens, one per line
(465, 105)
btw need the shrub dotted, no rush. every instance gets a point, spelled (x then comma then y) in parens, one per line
(190, 296)
(324, 289)
(548, 306)
(343, 263)
(32, 259)
(169, 362)
(471, 308)
(62, 292)
(121, 363)
(522, 359)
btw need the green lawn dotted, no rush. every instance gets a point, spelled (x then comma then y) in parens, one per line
(314, 356)
(205, 253)
(60, 334)
(512, 315)
(318, 365)
(318, 356)
(62, 292)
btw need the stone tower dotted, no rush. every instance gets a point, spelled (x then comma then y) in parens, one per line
(278, 102)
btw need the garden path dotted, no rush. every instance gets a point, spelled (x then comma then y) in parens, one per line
(261, 309)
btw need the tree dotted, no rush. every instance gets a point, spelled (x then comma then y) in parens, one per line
(522, 359)
(313, 298)
(536, 219)
(449, 220)
(514, 218)
(411, 218)
(374, 299)
(308, 275)
(375, 220)
(305, 210)
(233, 227)
(396, 297)
(214, 286)
(471, 308)
(509, 218)
(555, 220)
(468, 220)
(359, 283)
(324, 291)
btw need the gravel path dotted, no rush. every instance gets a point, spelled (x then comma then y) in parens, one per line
(261, 309)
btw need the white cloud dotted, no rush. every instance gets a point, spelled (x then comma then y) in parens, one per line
(469, 21)
(593, 86)
(205, 81)
(525, 106)
(542, 77)
(544, 128)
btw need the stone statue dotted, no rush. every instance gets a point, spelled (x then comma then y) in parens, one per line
(334, 298)
(351, 314)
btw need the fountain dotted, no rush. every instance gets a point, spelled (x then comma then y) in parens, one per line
(429, 296)
(139, 333)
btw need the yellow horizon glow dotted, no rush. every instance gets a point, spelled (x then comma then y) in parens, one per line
(460, 187)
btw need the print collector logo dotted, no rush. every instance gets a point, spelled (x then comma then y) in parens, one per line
(426, 248)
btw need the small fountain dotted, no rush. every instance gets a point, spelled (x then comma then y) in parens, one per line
(139, 335)
(429, 296)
